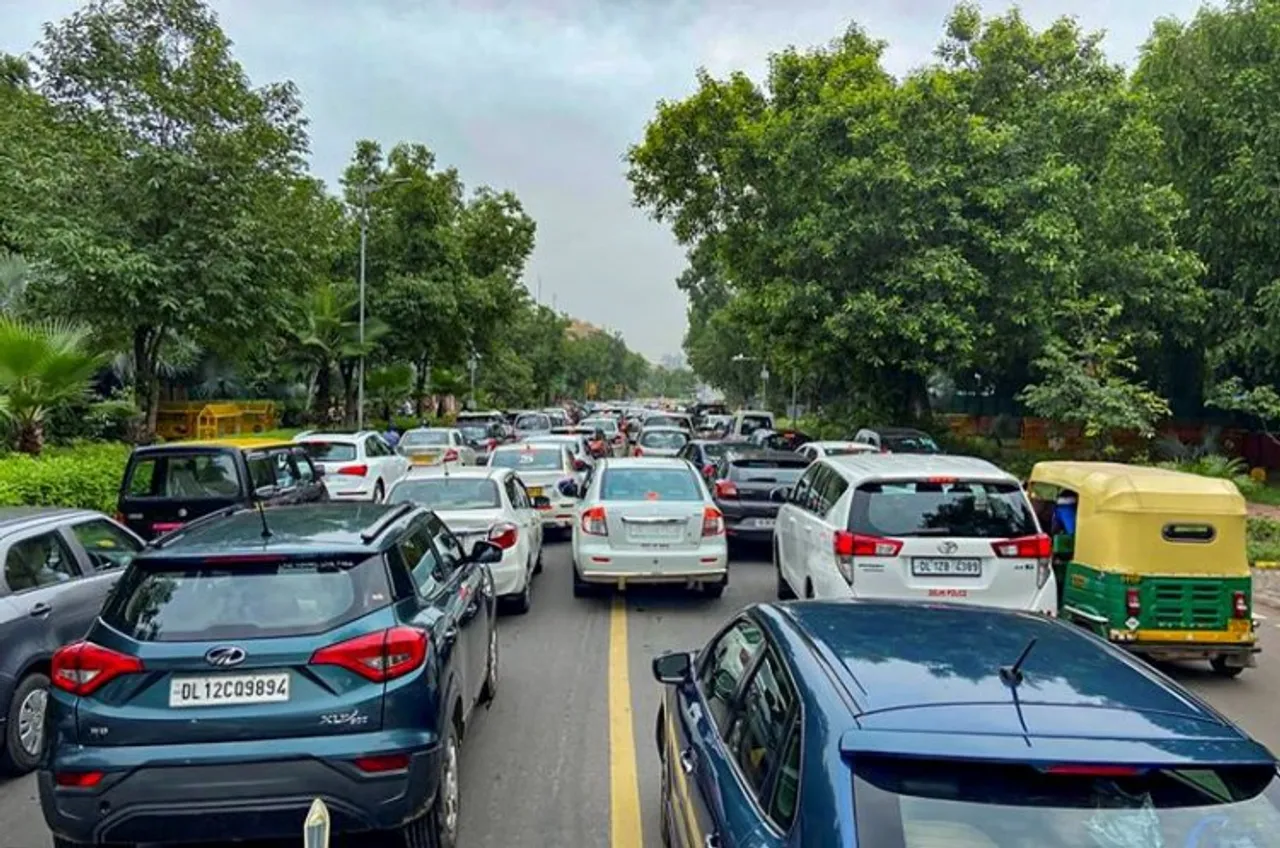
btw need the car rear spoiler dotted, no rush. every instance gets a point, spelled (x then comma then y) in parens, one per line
(1052, 750)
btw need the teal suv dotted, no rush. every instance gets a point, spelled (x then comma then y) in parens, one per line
(256, 660)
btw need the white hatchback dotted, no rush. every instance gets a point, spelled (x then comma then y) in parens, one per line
(649, 521)
(913, 527)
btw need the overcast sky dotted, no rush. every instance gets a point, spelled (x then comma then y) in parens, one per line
(544, 96)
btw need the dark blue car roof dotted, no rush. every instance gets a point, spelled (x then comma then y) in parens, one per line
(925, 678)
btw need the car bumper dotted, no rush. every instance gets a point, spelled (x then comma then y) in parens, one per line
(350, 494)
(561, 515)
(510, 574)
(620, 568)
(231, 792)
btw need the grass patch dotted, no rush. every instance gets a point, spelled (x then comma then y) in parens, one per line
(1263, 539)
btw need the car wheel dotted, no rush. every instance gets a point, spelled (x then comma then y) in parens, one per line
(1220, 667)
(581, 588)
(490, 690)
(664, 797)
(537, 565)
(24, 736)
(379, 492)
(439, 827)
(524, 601)
(715, 590)
(785, 592)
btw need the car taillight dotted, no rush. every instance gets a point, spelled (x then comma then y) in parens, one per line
(637, 451)
(579, 465)
(708, 470)
(726, 489)
(848, 544)
(82, 668)
(1094, 771)
(504, 535)
(450, 455)
(1025, 547)
(594, 523)
(78, 779)
(354, 470)
(382, 763)
(380, 656)
(491, 444)
(1240, 605)
(1132, 602)
(712, 522)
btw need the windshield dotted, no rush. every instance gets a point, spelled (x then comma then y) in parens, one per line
(921, 508)
(445, 493)
(902, 803)
(663, 440)
(541, 459)
(424, 438)
(653, 484)
(329, 451)
(767, 471)
(533, 422)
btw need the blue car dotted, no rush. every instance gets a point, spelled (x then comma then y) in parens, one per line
(258, 659)
(898, 725)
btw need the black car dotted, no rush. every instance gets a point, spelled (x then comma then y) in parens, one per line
(750, 485)
(897, 440)
(59, 565)
(165, 486)
(705, 453)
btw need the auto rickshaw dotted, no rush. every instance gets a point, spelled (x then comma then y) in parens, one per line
(1150, 559)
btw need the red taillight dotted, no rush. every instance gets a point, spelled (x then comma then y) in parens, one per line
(504, 535)
(1026, 547)
(848, 544)
(165, 526)
(1132, 602)
(450, 455)
(579, 465)
(82, 668)
(712, 522)
(1240, 605)
(726, 489)
(380, 656)
(1095, 771)
(708, 470)
(491, 444)
(354, 470)
(78, 779)
(637, 451)
(382, 763)
(594, 523)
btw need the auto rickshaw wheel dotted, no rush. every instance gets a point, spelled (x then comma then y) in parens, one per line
(1222, 669)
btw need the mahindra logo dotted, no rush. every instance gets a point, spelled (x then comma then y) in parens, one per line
(948, 547)
(225, 656)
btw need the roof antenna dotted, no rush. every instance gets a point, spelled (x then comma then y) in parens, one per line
(1012, 674)
(262, 513)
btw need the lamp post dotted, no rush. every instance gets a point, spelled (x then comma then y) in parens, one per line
(472, 362)
(363, 191)
(764, 376)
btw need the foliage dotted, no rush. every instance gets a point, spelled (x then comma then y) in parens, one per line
(42, 365)
(85, 476)
(1231, 468)
(1262, 539)
(1262, 403)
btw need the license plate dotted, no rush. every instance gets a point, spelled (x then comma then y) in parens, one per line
(535, 492)
(945, 567)
(656, 532)
(762, 523)
(428, 459)
(229, 690)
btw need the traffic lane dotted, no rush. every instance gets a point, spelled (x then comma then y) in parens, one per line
(534, 766)
(667, 619)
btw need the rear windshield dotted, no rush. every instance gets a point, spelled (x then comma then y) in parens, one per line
(767, 470)
(184, 476)
(911, 443)
(751, 423)
(533, 422)
(422, 438)
(649, 484)
(919, 508)
(663, 421)
(474, 431)
(843, 450)
(664, 440)
(605, 424)
(177, 602)
(908, 803)
(329, 451)
(529, 460)
(444, 493)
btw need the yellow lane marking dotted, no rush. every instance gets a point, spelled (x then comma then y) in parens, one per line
(624, 784)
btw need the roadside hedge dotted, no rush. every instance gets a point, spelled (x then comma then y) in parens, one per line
(86, 475)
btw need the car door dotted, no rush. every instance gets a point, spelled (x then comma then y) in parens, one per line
(800, 528)
(475, 591)
(58, 595)
(698, 715)
(788, 529)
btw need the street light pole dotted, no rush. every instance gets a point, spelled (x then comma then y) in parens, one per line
(764, 386)
(472, 363)
(364, 236)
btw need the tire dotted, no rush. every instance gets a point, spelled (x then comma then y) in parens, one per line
(490, 690)
(581, 588)
(25, 718)
(1221, 669)
(714, 590)
(379, 492)
(438, 828)
(523, 602)
(537, 565)
(59, 842)
(785, 592)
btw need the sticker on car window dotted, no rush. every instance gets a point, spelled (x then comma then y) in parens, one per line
(1126, 827)
(526, 458)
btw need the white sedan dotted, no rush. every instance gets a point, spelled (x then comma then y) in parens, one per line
(485, 503)
(818, 450)
(545, 468)
(357, 466)
(649, 521)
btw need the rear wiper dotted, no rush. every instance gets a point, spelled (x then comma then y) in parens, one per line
(928, 531)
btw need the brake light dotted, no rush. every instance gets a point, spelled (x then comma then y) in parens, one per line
(1026, 547)
(708, 470)
(504, 535)
(78, 779)
(579, 465)
(165, 526)
(354, 470)
(451, 455)
(637, 451)
(712, 522)
(848, 544)
(382, 763)
(1132, 602)
(941, 481)
(594, 523)
(1095, 771)
(1240, 605)
(726, 489)
(82, 668)
(380, 656)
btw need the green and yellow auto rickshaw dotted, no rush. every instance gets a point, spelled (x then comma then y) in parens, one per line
(1150, 559)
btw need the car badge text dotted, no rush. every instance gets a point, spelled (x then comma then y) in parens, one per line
(947, 547)
(225, 656)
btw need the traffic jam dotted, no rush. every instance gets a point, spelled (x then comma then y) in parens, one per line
(895, 646)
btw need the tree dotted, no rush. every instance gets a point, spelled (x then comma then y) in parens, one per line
(42, 365)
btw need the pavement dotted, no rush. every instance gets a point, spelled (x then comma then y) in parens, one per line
(565, 757)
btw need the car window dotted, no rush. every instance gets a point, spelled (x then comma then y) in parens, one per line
(911, 443)
(302, 463)
(447, 546)
(330, 451)
(262, 470)
(786, 789)
(786, 472)
(143, 480)
(42, 560)
(832, 489)
(926, 507)
(513, 494)
(761, 724)
(106, 544)
(424, 438)
(529, 459)
(663, 439)
(191, 476)
(421, 558)
(286, 472)
(800, 492)
(723, 665)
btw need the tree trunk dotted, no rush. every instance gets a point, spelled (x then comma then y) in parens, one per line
(324, 390)
(422, 375)
(146, 387)
(350, 392)
(31, 436)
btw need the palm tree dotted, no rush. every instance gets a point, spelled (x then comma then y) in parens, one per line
(42, 364)
(329, 337)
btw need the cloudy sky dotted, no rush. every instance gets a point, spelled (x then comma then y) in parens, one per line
(544, 96)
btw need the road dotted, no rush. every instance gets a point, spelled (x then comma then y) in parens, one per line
(539, 766)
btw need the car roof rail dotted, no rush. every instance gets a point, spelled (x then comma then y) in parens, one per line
(380, 526)
(160, 541)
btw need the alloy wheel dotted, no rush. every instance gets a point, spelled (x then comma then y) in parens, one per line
(31, 721)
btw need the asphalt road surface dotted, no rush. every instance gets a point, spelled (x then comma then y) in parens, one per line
(566, 757)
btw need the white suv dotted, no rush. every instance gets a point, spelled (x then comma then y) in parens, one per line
(357, 466)
(913, 527)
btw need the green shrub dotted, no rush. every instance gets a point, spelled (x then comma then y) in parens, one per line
(1263, 539)
(83, 475)
(1221, 467)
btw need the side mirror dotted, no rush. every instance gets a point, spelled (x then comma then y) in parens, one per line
(486, 553)
(541, 502)
(674, 668)
(568, 488)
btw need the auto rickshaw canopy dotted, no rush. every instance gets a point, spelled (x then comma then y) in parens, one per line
(1144, 520)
